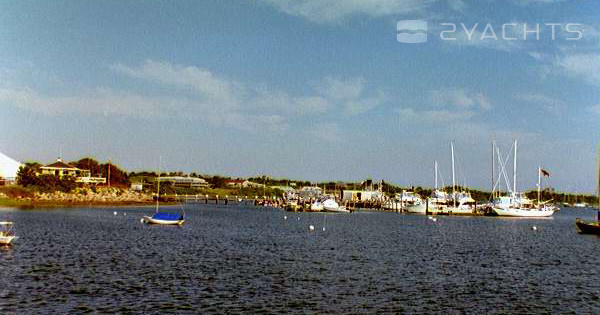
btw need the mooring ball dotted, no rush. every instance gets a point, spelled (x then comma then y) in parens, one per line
(312, 227)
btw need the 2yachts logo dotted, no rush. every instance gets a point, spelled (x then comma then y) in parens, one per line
(415, 31)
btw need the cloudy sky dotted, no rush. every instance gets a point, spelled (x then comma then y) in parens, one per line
(305, 89)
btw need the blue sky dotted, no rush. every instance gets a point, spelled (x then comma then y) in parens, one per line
(306, 89)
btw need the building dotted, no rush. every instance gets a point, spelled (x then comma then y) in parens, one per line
(310, 191)
(8, 169)
(184, 182)
(362, 195)
(62, 169)
(241, 183)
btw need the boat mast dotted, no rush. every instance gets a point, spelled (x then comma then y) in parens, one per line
(515, 171)
(453, 180)
(436, 175)
(598, 192)
(158, 184)
(493, 167)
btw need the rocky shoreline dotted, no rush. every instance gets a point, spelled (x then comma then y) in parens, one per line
(83, 196)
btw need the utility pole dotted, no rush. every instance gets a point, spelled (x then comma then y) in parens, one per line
(109, 172)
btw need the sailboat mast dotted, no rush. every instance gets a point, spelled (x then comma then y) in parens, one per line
(493, 167)
(436, 174)
(158, 185)
(453, 180)
(598, 192)
(515, 170)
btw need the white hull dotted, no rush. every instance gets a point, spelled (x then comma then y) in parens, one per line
(330, 205)
(316, 207)
(150, 220)
(6, 240)
(517, 212)
(420, 208)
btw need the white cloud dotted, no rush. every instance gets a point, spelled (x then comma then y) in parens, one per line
(350, 95)
(210, 98)
(200, 81)
(595, 109)
(323, 11)
(433, 116)
(329, 132)
(584, 66)
(550, 104)
(461, 98)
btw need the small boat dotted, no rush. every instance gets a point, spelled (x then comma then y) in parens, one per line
(330, 205)
(7, 234)
(163, 218)
(587, 227)
(591, 227)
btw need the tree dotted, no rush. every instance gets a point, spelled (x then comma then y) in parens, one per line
(89, 164)
(27, 174)
(117, 176)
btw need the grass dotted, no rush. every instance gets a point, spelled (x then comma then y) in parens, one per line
(8, 202)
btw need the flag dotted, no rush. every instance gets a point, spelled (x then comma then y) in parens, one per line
(545, 173)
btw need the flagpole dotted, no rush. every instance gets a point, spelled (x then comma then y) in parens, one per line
(539, 183)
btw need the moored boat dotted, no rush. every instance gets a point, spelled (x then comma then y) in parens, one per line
(7, 234)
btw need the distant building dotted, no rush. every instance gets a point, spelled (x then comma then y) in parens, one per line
(137, 186)
(361, 195)
(184, 182)
(241, 183)
(62, 169)
(310, 191)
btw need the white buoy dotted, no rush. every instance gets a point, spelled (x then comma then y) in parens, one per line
(285, 217)
(434, 219)
(534, 228)
(124, 213)
(142, 220)
(298, 219)
(115, 213)
(323, 229)
(311, 227)
(430, 217)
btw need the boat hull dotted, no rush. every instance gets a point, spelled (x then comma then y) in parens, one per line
(6, 240)
(530, 213)
(150, 220)
(587, 227)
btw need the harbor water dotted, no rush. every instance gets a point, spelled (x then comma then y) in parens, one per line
(244, 259)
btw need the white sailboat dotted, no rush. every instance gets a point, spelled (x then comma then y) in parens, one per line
(163, 218)
(517, 204)
(460, 202)
(438, 201)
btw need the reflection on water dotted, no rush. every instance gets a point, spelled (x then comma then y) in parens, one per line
(238, 259)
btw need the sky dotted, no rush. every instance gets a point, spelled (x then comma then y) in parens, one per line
(308, 89)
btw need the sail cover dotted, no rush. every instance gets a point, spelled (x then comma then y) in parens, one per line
(168, 216)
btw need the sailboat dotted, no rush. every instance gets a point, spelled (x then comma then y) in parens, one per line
(438, 201)
(163, 218)
(591, 227)
(517, 204)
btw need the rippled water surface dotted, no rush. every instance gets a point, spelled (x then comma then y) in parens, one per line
(236, 259)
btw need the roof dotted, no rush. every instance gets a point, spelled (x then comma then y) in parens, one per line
(60, 164)
(241, 181)
(8, 167)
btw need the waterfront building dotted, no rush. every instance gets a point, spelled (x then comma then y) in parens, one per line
(184, 181)
(362, 195)
(62, 169)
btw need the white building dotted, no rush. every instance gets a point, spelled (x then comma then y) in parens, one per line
(362, 195)
(8, 168)
(181, 181)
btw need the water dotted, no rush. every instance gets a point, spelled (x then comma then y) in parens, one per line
(246, 260)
